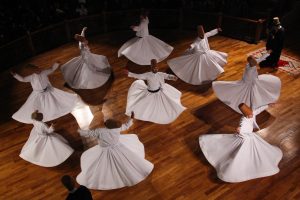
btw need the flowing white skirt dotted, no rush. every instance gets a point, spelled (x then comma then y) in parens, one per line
(124, 164)
(142, 50)
(197, 67)
(80, 75)
(260, 92)
(162, 107)
(46, 150)
(238, 158)
(53, 103)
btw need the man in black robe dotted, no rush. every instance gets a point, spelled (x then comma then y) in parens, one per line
(274, 44)
(75, 193)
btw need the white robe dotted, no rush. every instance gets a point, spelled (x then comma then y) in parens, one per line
(253, 90)
(143, 48)
(44, 147)
(161, 107)
(241, 157)
(199, 63)
(118, 160)
(87, 71)
(52, 102)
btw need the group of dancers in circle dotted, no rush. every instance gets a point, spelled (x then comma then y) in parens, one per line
(119, 159)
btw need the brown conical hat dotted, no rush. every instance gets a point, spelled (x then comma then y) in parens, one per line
(200, 30)
(252, 61)
(111, 124)
(153, 62)
(37, 116)
(246, 110)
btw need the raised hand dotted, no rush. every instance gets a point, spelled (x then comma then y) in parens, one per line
(174, 78)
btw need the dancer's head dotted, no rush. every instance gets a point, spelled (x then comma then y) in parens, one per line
(144, 14)
(111, 124)
(246, 110)
(37, 116)
(200, 31)
(252, 61)
(154, 67)
(68, 182)
(276, 23)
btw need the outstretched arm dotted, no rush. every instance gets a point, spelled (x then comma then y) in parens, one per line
(127, 125)
(138, 76)
(21, 78)
(83, 32)
(50, 129)
(51, 69)
(170, 77)
(212, 33)
(88, 133)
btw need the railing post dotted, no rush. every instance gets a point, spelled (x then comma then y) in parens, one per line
(259, 26)
(67, 30)
(104, 22)
(219, 20)
(30, 43)
(180, 20)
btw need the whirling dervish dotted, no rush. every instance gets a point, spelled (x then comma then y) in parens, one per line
(50, 101)
(254, 90)
(199, 63)
(157, 101)
(117, 161)
(143, 48)
(87, 71)
(44, 147)
(242, 156)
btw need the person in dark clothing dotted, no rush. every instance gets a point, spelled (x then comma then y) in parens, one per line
(274, 44)
(80, 193)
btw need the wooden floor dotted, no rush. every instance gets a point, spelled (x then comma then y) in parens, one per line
(181, 171)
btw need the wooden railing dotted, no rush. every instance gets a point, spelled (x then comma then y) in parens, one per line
(55, 35)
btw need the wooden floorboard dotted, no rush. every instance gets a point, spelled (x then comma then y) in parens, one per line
(181, 171)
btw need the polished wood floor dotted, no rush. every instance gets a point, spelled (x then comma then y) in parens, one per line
(181, 171)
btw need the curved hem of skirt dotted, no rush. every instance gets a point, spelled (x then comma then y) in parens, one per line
(43, 165)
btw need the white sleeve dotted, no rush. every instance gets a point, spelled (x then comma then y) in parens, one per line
(260, 109)
(50, 129)
(83, 32)
(22, 79)
(127, 125)
(89, 133)
(51, 69)
(193, 45)
(137, 28)
(138, 76)
(168, 76)
(211, 33)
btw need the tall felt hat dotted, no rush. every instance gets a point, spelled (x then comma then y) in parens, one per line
(36, 115)
(246, 110)
(276, 21)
